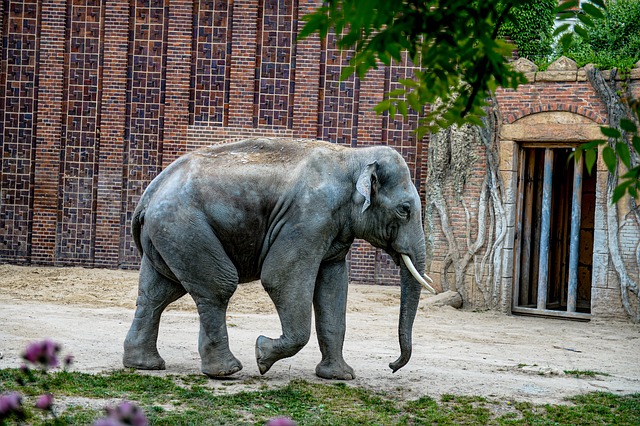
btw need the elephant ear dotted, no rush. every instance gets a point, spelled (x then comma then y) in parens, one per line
(367, 179)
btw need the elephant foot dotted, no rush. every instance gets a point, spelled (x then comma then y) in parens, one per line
(221, 368)
(264, 346)
(142, 360)
(334, 370)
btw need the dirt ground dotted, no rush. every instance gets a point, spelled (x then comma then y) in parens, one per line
(455, 351)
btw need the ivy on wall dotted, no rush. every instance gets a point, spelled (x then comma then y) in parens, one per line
(614, 39)
(530, 27)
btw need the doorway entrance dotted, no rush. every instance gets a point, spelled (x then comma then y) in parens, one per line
(553, 252)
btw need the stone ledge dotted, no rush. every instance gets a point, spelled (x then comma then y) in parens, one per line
(550, 132)
(556, 76)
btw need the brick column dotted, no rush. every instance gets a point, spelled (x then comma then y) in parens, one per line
(371, 94)
(49, 131)
(243, 63)
(307, 78)
(177, 95)
(112, 125)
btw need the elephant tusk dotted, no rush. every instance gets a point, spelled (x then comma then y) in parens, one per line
(416, 275)
(427, 277)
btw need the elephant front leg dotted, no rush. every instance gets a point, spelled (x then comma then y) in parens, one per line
(330, 305)
(289, 283)
(294, 310)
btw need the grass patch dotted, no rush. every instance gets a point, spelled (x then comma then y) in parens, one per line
(187, 400)
(580, 374)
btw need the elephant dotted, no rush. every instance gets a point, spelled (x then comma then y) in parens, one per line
(282, 211)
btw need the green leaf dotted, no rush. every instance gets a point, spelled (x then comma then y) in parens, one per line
(382, 106)
(566, 40)
(591, 145)
(632, 174)
(581, 31)
(619, 192)
(586, 20)
(627, 125)
(392, 112)
(397, 93)
(562, 28)
(421, 132)
(577, 154)
(402, 108)
(414, 102)
(635, 142)
(563, 16)
(610, 132)
(593, 11)
(624, 154)
(610, 160)
(590, 159)
(346, 72)
(408, 82)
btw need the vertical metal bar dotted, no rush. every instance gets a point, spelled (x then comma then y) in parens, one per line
(545, 229)
(529, 261)
(576, 212)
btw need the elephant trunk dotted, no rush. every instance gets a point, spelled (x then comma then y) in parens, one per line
(409, 300)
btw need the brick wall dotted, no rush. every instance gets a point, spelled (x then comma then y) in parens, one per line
(98, 97)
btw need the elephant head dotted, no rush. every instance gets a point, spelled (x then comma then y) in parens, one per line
(388, 215)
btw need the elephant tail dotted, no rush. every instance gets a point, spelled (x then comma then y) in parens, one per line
(136, 226)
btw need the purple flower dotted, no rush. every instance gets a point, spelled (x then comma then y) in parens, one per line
(125, 413)
(10, 403)
(45, 402)
(44, 353)
(281, 421)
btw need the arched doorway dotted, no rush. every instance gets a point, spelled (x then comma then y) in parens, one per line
(555, 201)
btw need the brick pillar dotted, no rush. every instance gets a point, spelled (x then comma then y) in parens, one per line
(243, 63)
(177, 95)
(307, 78)
(371, 94)
(112, 125)
(49, 131)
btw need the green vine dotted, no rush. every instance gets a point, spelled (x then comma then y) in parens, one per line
(530, 27)
(613, 41)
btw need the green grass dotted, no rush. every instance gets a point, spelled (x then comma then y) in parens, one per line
(187, 400)
(580, 374)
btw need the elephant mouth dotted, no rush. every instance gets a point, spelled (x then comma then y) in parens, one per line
(422, 279)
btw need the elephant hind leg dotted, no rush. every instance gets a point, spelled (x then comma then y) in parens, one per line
(213, 342)
(211, 278)
(155, 293)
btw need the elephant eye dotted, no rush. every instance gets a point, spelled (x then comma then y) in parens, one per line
(403, 210)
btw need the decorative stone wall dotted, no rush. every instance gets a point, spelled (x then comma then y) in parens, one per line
(558, 105)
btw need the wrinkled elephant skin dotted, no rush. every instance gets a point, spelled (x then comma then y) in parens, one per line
(282, 211)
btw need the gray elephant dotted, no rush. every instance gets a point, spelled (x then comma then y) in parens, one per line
(282, 211)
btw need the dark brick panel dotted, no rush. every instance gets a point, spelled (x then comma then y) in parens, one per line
(80, 130)
(17, 126)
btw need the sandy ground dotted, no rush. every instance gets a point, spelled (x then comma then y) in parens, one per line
(456, 352)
